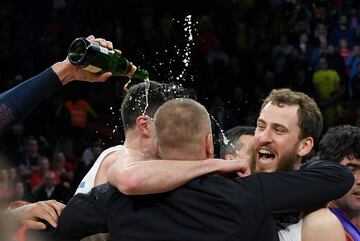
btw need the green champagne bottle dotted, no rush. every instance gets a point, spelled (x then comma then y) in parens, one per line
(97, 59)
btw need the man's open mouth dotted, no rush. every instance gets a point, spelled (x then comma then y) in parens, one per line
(266, 155)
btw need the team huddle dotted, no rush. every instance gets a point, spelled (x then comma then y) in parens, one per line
(163, 183)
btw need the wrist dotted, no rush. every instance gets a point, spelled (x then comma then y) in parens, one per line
(214, 165)
(64, 71)
(15, 215)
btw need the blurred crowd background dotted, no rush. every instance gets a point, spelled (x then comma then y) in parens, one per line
(241, 49)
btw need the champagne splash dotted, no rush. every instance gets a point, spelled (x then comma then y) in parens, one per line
(182, 54)
(225, 140)
(185, 53)
(147, 87)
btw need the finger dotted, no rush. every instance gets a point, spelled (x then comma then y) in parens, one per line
(51, 218)
(244, 172)
(57, 206)
(103, 77)
(49, 214)
(101, 41)
(241, 174)
(91, 38)
(104, 43)
(35, 225)
(109, 45)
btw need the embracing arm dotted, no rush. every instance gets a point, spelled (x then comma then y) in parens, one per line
(305, 189)
(156, 176)
(84, 215)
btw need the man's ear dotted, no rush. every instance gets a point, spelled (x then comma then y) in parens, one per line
(209, 146)
(305, 146)
(229, 157)
(143, 125)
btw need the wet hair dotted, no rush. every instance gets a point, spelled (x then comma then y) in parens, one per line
(340, 142)
(145, 98)
(233, 136)
(181, 123)
(309, 114)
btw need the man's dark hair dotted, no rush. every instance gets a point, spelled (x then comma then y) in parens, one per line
(141, 99)
(145, 98)
(233, 136)
(340, 142)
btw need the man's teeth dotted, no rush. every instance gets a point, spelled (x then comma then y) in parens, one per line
(264, 152)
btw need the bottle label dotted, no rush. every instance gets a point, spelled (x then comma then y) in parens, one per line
(92, 69)
(104, 50)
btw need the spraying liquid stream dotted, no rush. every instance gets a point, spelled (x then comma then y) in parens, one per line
(225, 140)
(185, 53)
(147, 87)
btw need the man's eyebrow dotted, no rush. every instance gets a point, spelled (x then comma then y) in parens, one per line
(260, 120)
(280, 125)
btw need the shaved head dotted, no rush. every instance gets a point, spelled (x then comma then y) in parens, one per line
(182, 124)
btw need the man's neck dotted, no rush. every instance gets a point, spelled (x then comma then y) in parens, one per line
(133, 141)
(181, 154)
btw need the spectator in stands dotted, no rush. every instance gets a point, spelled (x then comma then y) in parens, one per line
(20, 192)
(30, 158)
(279, 54)
(320, 33)
(53, 190)
(343, 31)
(351, 63)
(61, 166)
(335, 61)
(38, 177)
(328, 91)
(344, 49)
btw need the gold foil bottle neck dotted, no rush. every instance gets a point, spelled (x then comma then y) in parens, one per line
(131, 71)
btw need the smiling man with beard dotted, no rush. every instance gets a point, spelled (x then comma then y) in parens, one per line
(289, 125)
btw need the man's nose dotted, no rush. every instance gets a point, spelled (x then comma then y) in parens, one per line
(265, 136)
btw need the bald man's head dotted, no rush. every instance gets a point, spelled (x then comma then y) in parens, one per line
(183, 125)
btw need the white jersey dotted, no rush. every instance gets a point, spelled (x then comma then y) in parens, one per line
(291, 232)
(88, 182)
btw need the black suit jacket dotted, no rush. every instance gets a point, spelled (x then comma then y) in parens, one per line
(207, 208)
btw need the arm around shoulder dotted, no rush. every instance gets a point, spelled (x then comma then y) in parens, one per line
(156, 176)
